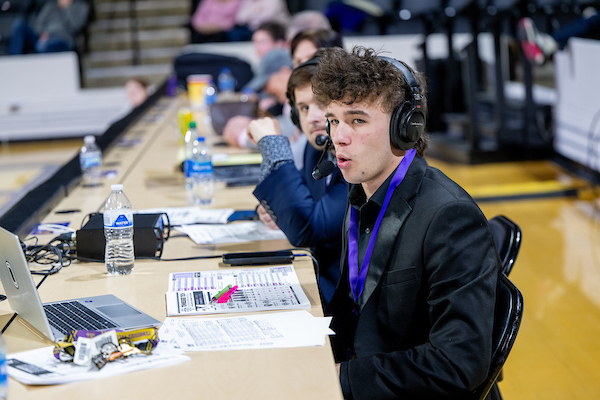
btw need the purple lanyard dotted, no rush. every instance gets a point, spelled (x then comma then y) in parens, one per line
(357, 280)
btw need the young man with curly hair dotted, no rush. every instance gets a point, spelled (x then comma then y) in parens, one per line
(413, 311)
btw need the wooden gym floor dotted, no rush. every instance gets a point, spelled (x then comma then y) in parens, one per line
(557, 352)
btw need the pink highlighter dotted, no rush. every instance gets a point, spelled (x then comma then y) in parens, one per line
(227, 295)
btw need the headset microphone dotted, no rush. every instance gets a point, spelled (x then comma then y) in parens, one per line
(320, 140)
(323, 169)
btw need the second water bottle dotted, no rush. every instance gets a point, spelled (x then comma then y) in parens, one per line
(118, 232)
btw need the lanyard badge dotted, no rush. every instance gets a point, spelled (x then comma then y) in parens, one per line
(357, 279)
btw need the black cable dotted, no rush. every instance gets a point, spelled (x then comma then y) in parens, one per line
(146, 258)
(310, 254)
(8, 323)
(51, 253)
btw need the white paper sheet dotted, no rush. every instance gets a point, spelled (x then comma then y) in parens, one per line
(230, 233)
(40, 367)
(259, 289)
(257, 331)
(191, 215)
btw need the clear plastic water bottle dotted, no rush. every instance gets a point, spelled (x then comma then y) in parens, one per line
(118, 231)
(210, 93)
(226, 83)
(3, 370)
(191, 135)
(200, 173)
(90, 159)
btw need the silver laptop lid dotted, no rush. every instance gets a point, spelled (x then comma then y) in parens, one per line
(18, 283)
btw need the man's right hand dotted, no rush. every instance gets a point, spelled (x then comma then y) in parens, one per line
(234, 128)
(259, 128)
(266, 219)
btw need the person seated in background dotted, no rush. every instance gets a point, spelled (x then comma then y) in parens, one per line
(53, 29)
(137, 91)
(275, 60)
(303, 46)
(234, 132)
(268, 36)
(213, 19)
(308, 211)
(306, 43)
(253, 13)
(304, 20)
(414, 308)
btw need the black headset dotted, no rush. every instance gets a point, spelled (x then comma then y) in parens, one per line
(294, 113)
(408, 119)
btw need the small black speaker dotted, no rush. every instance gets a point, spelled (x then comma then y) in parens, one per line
(148, 237)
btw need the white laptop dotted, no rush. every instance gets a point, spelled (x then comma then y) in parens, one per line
(55, 319)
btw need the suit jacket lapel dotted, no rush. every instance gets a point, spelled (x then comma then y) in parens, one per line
(395, 215)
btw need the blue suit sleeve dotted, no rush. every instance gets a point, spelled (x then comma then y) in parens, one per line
(305, 220)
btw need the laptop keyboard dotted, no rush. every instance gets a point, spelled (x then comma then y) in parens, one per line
(71, 315)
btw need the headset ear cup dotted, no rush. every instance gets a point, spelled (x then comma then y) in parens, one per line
(294, 116)
(406, 126)
(396, 126)
(413, 125)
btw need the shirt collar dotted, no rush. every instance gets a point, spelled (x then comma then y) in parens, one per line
(358, 198)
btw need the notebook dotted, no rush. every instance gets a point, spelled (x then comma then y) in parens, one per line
(54, 319)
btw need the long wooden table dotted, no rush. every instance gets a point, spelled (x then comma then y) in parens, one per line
(145, 162)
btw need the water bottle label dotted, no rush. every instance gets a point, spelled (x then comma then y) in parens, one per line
(194, 168)
(227, 85)
(90, 160)
(118, 218)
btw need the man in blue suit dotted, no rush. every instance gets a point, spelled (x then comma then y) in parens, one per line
(308, 211)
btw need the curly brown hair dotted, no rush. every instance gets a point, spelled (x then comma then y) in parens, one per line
(362, 76)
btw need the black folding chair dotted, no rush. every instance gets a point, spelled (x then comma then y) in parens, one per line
(507, 236)
(207, 63)
(507, 319)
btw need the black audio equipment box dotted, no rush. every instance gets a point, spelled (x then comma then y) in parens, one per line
(148, 236)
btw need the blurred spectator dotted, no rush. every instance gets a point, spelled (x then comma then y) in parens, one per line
(271, 62)
(303, 47)
(304, 20)
(539, 47)
(252, 13)
(213, 20)
(267, 36)
(137, 91)
(306, 43)
(53, 29)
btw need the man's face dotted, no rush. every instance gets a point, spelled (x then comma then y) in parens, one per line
(360, 134)
(304, 51)
(263, 43)
(312, 117)
(277, 84)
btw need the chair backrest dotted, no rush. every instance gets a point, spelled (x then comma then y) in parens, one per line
(507, 319)
(205, 63)
(507, 236)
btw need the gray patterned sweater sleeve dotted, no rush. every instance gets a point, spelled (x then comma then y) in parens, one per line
(276, 151)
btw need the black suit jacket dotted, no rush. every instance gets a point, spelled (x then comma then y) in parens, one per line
(425, 318)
